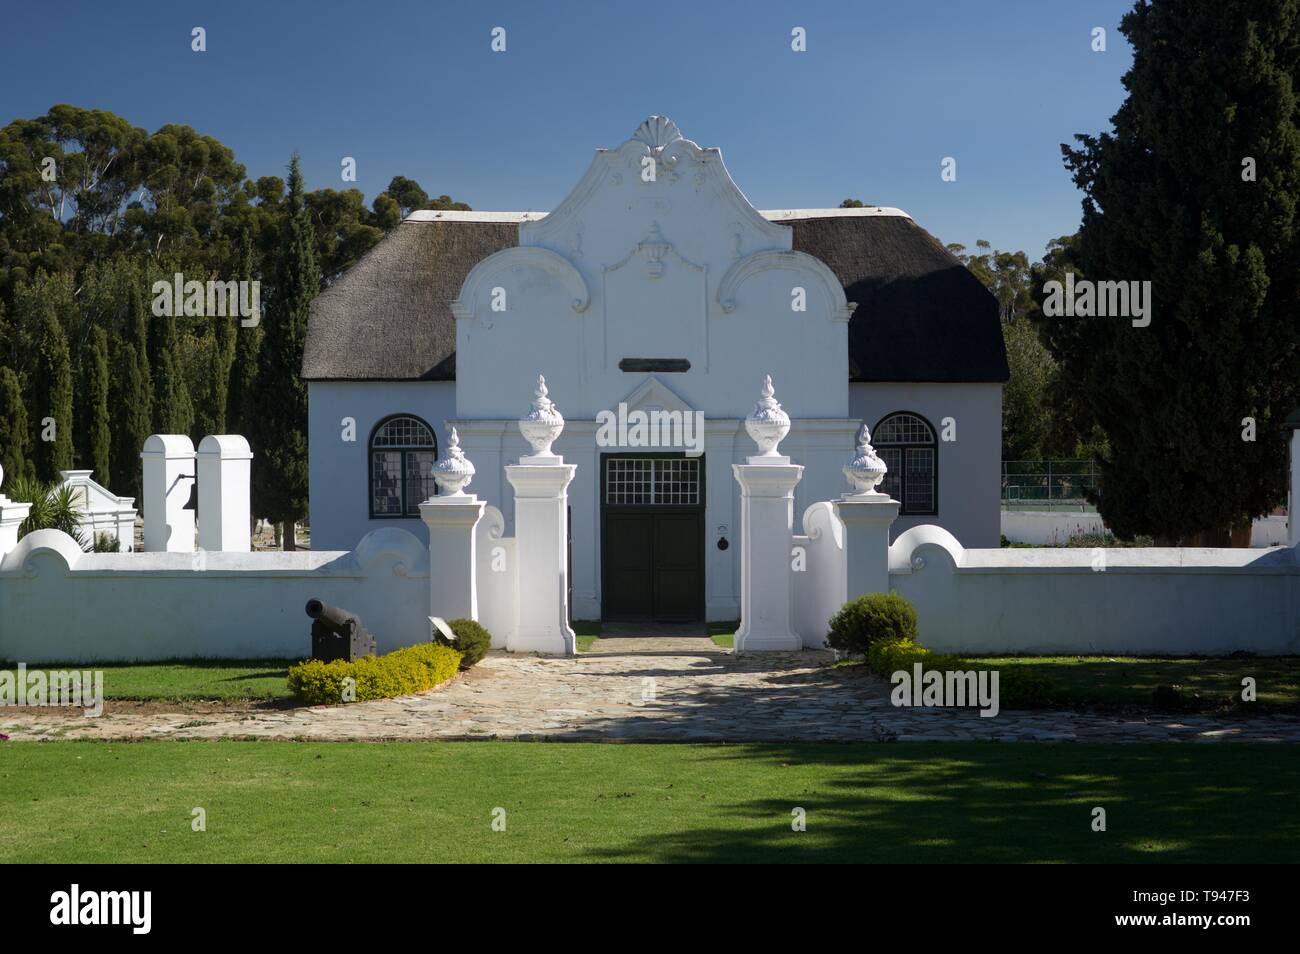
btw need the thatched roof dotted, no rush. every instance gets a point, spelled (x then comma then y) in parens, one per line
(921, 315)
(388, 317)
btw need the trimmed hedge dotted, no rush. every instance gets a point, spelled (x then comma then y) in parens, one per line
(871, 619)
(398, 673)
(472, 641)
(1017, 688)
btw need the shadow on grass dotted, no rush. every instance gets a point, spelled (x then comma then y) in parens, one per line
(1012, 803)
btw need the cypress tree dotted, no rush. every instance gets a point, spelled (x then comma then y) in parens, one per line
(131, 388)
(93, 420)
(279, 421)
(53, 394)
(130, 399)
(248, 343)
(1197, 190)
(221, 363)
(15, 441)
(172, 411)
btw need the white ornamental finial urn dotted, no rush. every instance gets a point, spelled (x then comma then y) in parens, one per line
(767, 423)
(454, 472)
(543, 423)
(866, 470)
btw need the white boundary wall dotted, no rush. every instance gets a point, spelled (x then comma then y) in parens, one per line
(1163, 601)
(58, 604)
(1055, 527)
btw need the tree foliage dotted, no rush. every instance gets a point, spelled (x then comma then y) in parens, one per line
(1195, 189)
(93, 211)
(279, 419)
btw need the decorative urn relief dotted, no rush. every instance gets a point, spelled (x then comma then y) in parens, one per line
(654, 247)
(767, 424)
(543, 423)
(866, 470)
(454, 472)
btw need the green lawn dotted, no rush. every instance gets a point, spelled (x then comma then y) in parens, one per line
(346, 802)
(1124, 680)
(724, 634)
(588, 631)
(223, 679)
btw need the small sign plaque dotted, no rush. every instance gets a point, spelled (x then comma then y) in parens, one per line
(441, 626)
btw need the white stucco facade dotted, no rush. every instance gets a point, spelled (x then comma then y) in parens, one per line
(339, 468)
(968, 465)
(655, 256)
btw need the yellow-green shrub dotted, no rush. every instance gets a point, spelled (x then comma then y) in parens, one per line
(399, 673)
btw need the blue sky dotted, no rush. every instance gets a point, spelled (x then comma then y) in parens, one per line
(884, 92)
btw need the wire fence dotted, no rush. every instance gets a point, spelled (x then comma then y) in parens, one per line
(1048, 484)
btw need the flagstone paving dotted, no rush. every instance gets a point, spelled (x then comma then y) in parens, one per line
(671, 690)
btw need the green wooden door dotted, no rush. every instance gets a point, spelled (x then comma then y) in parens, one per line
(629, 565)
(652, 537)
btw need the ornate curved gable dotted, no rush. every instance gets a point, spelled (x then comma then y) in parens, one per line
(654, 259)
(685, 176)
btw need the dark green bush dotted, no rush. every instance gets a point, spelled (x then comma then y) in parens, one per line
(472, 641)
(1017, 688)
(869, 619)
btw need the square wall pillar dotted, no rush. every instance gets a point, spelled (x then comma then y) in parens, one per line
(541, 485)
(225, 504)
(168, 461)
(766, 536)
(867, 518)
(453, 554)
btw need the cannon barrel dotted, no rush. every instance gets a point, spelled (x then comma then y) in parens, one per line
(331, 617)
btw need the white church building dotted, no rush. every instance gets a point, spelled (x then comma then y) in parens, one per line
(654, 287)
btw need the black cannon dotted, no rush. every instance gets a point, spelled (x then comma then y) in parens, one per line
(337, 634)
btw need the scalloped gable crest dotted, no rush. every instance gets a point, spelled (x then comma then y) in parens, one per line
(657, 136)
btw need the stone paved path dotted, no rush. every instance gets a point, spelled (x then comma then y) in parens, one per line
(679, 691)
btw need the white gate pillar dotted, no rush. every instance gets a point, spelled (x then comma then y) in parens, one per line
(225, 471)
(452, 517)
(767, 485)
(12, 514)
(168, 481)
(541, 483)
(867, 516)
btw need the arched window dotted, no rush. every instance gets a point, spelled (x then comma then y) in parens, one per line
(402, 452)
(905, 442)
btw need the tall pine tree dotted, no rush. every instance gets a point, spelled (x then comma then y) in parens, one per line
(131, 388)
(1196, 190)
(92, 419)
(248, 343)
(15, 441)
(277, 421)
(53, 400)
(172, 411)
(222, 358)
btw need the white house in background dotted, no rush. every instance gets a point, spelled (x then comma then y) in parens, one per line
(102, 511)
(655, 285)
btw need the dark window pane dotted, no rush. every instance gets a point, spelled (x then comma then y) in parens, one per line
(403, 432)
(420, 485)
(919, 479)
(892, 484)
(386, 483)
